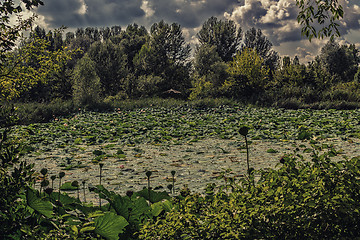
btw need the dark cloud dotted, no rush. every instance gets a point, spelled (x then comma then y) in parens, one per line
(83, 13)
(189, 13)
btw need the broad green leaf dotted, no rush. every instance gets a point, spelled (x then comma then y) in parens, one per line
(110, 225)
(154, 196)
(41, 206)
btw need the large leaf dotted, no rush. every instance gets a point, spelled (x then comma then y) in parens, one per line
(110, 225)
(154, 196)
(41, 206)
(159, 207)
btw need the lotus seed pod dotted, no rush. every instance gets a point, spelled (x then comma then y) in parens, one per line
(129, 193)
(244, 130)
(148, 174)
(53, 177)
(61, 174)
(48, 191)
(75, 184)
(173, 173)
(44, 183)
(43, 171)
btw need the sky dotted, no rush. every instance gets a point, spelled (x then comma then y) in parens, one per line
(276, 18)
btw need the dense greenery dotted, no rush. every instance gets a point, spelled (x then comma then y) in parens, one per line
(313, 198)
(103, 68)
(134, 63)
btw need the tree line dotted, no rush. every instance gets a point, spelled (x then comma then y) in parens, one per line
(111, 63)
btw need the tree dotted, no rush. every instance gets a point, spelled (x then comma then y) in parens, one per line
(29, 65)
(223, 35)
(248, 75)
(210, 72)
(130, 41)
(87, 86)
(110, 65)
(255, 39)
(324, 12)
(165, 55)
(340, 61)
(9, 32)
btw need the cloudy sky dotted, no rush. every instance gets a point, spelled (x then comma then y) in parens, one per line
(276, 18)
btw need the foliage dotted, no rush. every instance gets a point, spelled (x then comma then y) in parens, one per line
(87, 86)
(255, 39)
(302, 199)
(209, 73)
(30, 65)
(32, 214)
(9, 32)
(110, 65)
(248, 74)
(326, 13)
(165, 55)
(341, 61)
(223, 35)
(12, 183)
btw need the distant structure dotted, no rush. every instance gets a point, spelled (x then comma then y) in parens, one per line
(171, 93)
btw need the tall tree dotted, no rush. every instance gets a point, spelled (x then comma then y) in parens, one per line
(224, 35)
(110, 65)
(87, 87)
(256, 40)
(210, 72)
(31, 64)
(248, 75)
(130, 41)
(341, 61)
(166, 55)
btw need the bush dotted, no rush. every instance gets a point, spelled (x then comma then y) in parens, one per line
(317, 199)
(43, 112)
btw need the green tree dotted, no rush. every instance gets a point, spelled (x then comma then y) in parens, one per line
(248, 75)
(165, 55)
(340, 61)
(256, 40)
(294, 81)
(9, 32)
(87, 86)
(223, 35)
(210, 72)
(28, 66)
(110, 64)
(130, 41)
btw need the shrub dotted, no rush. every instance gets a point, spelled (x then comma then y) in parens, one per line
(316, 199)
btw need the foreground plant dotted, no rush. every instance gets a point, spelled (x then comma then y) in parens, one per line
(317, 199)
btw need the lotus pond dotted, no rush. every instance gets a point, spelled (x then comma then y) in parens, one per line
(199, 144)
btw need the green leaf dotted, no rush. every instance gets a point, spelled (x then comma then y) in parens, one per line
(41, 206)
(110, 225)
(154, 196)
(270, 150)
(67, 186)
(158, 207)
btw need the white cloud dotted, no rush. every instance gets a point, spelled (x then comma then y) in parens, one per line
(83, 8)
(147, 8)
